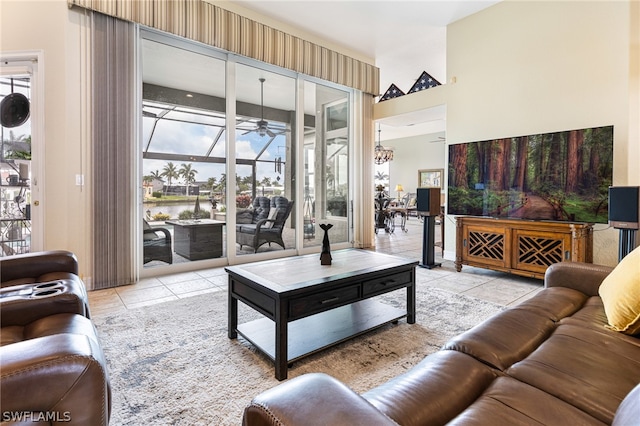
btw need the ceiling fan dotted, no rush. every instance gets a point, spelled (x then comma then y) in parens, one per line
(262, 126)
(439, 139)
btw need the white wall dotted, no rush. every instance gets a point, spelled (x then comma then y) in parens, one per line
(536, 67)
(412, 154)
(47, 26)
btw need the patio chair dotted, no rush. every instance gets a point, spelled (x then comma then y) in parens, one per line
(263, 223)
(156, 244)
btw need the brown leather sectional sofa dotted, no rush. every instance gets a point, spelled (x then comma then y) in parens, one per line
(548, 361)
(52, 368)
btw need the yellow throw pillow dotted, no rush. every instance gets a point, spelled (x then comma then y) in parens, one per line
(620, 293)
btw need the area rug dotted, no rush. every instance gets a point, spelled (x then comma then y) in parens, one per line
(172, 363)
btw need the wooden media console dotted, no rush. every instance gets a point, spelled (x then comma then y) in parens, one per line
(520, 247)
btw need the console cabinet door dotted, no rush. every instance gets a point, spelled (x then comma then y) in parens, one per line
(486, 245)
(535, 251)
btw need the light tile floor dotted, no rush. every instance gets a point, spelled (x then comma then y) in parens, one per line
(497, 287)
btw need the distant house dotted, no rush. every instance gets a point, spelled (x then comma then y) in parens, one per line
(151, 186)
(181, 189)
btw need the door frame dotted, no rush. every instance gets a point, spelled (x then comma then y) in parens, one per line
(32, 62)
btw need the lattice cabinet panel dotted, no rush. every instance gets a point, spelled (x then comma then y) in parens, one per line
(520, 247)
(486, 245)
(539, 251)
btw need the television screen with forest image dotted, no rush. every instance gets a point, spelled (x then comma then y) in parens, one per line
(562, 176)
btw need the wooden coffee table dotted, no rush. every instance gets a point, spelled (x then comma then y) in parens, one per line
(309, 307)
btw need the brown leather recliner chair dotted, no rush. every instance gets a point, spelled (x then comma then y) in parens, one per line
(47, 281)
(37, 267)
(52, 368)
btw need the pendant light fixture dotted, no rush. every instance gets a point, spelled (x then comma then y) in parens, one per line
(381, 154)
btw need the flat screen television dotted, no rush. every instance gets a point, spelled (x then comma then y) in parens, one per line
(562, 176)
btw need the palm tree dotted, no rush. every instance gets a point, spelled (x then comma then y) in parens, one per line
(151, 176)
(222, 187)
(188, 174)
(381, 176)
(266, 181)
(19, 147)
(215, 186)
(243, 183)
(170, 172)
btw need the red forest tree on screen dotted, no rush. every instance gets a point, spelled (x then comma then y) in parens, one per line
(552, 176)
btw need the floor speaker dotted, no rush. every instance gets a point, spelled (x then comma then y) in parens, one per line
(624, 207)
(428, 206)
(624, 214)
(428, 201)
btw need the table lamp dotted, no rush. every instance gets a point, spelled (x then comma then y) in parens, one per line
(399, 189)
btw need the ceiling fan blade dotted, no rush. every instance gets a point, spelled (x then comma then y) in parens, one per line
(270, 133)
(278, 129)
(439, 139)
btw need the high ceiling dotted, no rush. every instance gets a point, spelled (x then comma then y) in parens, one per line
(404, 37)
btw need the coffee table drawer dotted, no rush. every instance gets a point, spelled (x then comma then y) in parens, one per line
(386, 283)
(319, 302)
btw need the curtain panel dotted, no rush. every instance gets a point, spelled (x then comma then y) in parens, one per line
(367, 235)
(113, 133)
(206, 23)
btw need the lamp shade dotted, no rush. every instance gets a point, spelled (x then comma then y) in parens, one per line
(399, 187)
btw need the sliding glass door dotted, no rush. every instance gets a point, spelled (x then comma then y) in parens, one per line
(183, 155)
(326, 164)
(191, 210)
(265, 135)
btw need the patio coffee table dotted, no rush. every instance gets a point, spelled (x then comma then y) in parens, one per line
(309, 307)
(197, 239)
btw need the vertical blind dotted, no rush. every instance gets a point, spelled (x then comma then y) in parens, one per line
(113, 115)
(113, 100)
(206, 23)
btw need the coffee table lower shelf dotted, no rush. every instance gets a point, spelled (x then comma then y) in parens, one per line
(320, 331)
